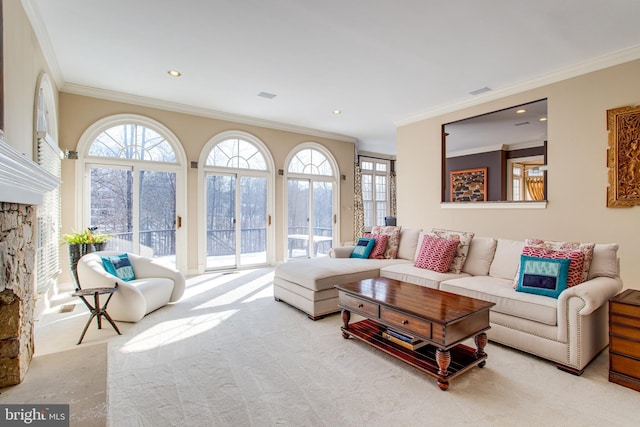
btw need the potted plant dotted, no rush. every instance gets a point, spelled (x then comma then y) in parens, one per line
(82, 243)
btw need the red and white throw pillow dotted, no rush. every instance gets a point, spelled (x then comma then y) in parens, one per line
(394, 238)
(436, 253)
(575, 267)
(585, 248)
(381, 245)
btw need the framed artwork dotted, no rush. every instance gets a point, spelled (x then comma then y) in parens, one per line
(468, 185)
(623, 157)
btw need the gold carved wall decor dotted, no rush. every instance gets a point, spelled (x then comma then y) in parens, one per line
(623, 157)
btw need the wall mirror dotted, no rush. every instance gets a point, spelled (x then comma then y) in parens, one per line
(496, 157)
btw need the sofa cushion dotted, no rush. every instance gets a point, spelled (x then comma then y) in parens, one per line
(409, 243)
(537, 308)
(481, 252)
(605, 261)
(543, 276)
(437, 253)
(409, 273)
(506, 259)
(464, 237)
(324, 273)
(393, 232)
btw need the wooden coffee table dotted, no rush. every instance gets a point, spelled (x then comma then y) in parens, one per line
(442, 319)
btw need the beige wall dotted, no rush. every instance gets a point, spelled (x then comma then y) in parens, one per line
(77, 113)
(577, 176)
(23, 65)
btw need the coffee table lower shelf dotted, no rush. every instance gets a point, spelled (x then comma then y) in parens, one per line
(463, 357)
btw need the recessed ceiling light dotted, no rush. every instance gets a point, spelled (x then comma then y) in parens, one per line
(542, 119)
(521, 111)
(174, 73)
(336, 112)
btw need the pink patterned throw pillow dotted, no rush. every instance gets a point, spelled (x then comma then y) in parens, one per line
(436, 253)
(394, 238)
(585, 248)
(575, 267)
(380, 247)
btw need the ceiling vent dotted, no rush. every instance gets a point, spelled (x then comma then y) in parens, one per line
(479, 91)
(267, 95)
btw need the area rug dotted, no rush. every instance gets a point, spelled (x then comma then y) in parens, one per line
(76, 377)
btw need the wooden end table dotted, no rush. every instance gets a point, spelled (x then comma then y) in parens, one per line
(441, 319)
(95, 309)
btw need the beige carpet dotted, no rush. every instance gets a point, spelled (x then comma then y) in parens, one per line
(227, 354)
(76, 377)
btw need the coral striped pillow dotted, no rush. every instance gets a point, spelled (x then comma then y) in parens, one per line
(436, 253)
(575, 267)
(381, 245)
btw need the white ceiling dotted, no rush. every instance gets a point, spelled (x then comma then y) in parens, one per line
(382, 63)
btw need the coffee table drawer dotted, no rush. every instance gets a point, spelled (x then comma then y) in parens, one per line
(416, 325)
(358, 305)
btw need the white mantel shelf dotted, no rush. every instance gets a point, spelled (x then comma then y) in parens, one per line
(21, 179)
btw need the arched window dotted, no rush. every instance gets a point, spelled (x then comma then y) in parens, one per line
(238, 154)
(311, 200)
(310, 161)
(236, 180)
(132, 141)
(135, 187)
(49, 214)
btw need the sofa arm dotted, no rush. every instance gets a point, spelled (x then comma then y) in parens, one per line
(594, 293)
(341, 252)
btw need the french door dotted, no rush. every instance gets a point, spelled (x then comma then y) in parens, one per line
(311, 217)
(137, 207)
(236, 220)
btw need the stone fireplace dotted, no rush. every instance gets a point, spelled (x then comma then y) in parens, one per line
(22, 184)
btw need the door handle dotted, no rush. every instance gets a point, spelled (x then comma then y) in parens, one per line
(178, 222)
(268, 219)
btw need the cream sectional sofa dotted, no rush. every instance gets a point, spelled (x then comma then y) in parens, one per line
(570, 330)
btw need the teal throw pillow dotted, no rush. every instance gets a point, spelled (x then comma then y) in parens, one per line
(363, 248)
(120, 266)
(543, 276)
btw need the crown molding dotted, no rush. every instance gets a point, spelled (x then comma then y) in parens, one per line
(609, 60)
(198, 111)
(39, 28)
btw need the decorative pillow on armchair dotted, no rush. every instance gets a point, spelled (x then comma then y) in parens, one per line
(120, 266)
(436, 253)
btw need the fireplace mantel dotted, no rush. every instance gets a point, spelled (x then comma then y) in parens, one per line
(21, 179)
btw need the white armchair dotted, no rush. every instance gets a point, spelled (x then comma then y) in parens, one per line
(155, 285)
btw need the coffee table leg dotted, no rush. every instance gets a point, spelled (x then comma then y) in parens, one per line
(346, 316)
(481, 342)
(443, 357)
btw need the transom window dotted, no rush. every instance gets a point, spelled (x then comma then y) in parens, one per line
(311, 162)
(132, 141)
(238, 154)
